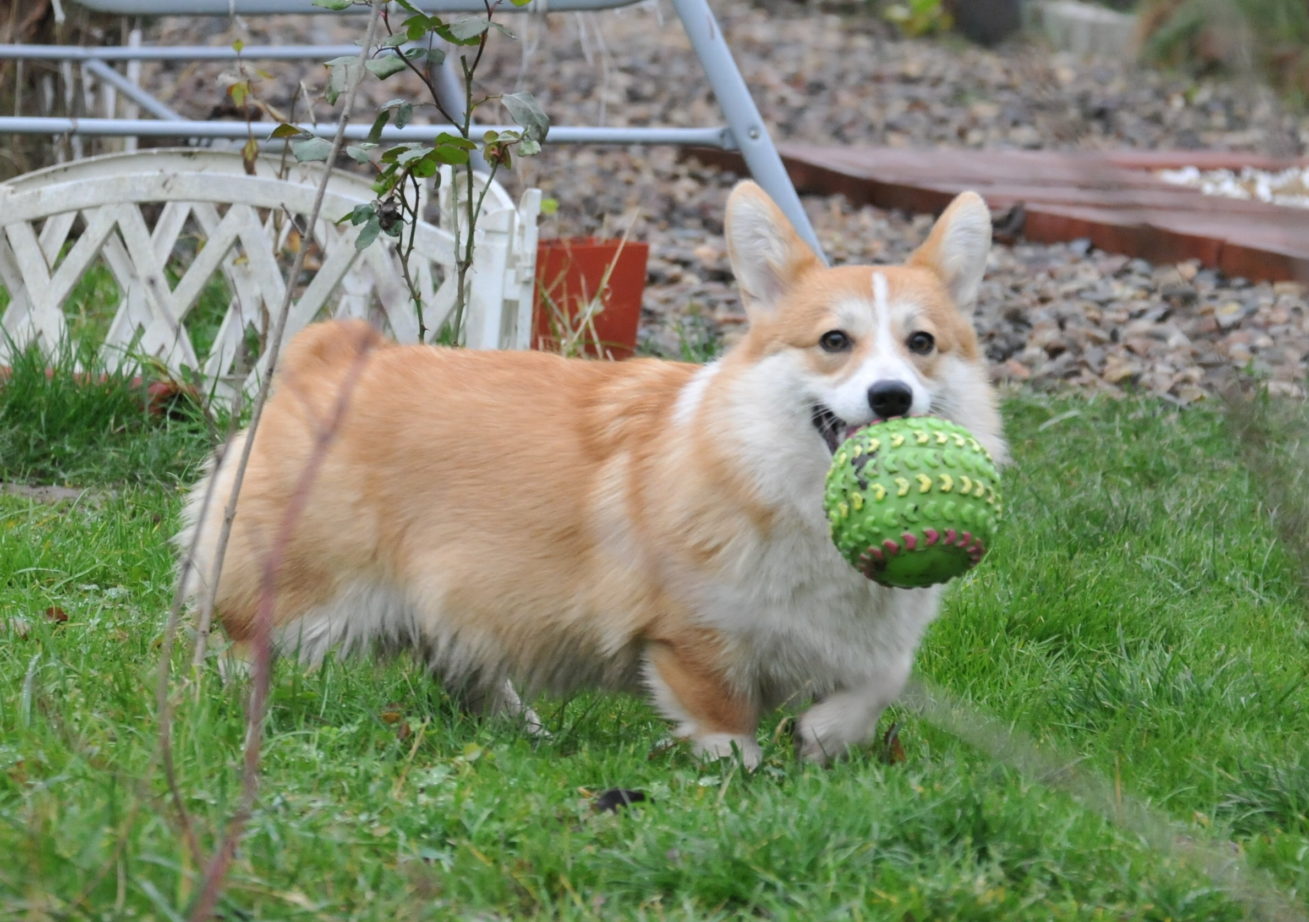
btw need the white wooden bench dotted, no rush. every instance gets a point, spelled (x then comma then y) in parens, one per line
(168, 226)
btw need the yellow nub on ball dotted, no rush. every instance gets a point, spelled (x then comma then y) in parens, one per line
(912, 501)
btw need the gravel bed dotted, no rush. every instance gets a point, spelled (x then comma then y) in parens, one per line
(1050, 315)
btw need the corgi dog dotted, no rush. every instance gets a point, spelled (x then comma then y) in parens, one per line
(524, 521)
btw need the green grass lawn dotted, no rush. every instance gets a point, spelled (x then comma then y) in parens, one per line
(1140, 616)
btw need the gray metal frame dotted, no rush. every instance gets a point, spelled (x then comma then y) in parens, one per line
(744, 129)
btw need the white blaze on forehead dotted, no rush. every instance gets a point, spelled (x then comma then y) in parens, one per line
(887, 360)
(885, 352)
(879, 296)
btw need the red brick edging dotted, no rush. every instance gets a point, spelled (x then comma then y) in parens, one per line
(1110, 197)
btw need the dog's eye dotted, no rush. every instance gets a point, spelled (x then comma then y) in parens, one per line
(921, 343)
(835, 341)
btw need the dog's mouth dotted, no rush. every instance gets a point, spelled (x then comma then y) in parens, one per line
(830, 426)
(833, 429)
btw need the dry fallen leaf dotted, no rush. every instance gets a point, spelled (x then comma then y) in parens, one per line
(609, 801)
(892, 751)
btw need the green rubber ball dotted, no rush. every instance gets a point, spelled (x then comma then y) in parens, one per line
(912, 501)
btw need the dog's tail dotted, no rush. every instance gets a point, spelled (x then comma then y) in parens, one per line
(328, 348)
(203, 517)
(322, 352)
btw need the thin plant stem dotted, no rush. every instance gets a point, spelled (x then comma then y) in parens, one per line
(256, 707)
(464, 262)
(274, 343)
(216, 871)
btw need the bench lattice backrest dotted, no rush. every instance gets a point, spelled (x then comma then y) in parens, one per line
(191, 253)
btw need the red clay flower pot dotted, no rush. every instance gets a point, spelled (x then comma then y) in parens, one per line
(588, 296)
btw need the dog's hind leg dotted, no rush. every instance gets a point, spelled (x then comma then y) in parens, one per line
(719, 720)
(473, 695)
(510, 703)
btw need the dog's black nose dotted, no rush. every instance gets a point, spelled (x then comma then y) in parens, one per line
(890, 398)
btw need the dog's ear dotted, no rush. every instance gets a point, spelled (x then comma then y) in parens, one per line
(957, 247)
(767, 254)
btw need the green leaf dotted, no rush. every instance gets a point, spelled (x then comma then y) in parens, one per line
(360, 153)
(340, 73)
(384, 65)
(238, 46)
(375, 130)
(417, 26)
(359, 214)
(403, 111)
(335, 5)
(392, 40)
(368, 233)
(549, 206)
(452, 155)
(465, 30)
(286, 130)
(527, 112)
(432, 57)
(309, 149)
(520, 3)
(529, 147)
(446, 139)
(414, 153)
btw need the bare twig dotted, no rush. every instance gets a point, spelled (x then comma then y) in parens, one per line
(256, 707)
(163, 701)
(216, 870)
(412, 209)
(274, 343)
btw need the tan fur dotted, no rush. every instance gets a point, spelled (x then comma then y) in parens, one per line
(566, 522)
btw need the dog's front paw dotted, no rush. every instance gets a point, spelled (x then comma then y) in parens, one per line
(812, 745)
(726, 746)
(827, 730)
(849, 717)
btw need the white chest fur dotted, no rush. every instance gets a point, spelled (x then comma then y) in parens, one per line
(801, 622)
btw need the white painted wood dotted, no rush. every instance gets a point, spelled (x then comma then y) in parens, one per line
(166, 224)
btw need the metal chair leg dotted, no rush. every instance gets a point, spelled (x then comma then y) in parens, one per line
(743, 119)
